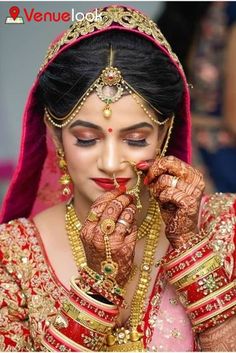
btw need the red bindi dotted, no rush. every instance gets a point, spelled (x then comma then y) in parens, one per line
(109, 129)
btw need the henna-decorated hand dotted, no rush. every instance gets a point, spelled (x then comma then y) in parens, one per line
(178, 188)
(119, 207)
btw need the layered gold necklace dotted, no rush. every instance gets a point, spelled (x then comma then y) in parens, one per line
(124, 339)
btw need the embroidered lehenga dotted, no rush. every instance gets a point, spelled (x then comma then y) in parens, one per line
(31, 294)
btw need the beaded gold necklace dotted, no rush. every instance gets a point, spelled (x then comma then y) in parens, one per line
(122, 339)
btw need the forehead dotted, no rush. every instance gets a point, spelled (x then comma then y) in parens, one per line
(126, 111)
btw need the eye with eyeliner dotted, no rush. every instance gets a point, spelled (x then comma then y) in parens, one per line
(138, 139)
(138, 143)
(85, 142)
(86, 138)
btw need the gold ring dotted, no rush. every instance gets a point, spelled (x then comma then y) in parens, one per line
(107, 226)
(92, 216)
(125, 223)
(174, 182)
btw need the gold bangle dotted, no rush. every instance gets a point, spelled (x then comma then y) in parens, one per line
(198, 271)
(86, 319)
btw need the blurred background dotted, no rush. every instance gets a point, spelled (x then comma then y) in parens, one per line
(203, 34)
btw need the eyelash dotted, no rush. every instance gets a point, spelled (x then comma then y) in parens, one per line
(138, 143)
(85, 143)
(92, 142)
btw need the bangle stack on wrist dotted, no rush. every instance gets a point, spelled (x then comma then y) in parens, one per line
(107, 287)
(202, 282)
(80, 313)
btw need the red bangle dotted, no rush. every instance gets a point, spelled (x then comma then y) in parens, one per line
(111, 297)
(203, 286)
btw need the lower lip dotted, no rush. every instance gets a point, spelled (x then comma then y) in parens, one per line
(107, 186)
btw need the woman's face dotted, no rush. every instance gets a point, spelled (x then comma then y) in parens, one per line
(96, 147)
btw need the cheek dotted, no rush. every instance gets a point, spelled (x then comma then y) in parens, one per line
(148, 152)
(144, 153)
(77, 158)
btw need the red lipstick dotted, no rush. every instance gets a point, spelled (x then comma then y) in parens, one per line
(108, 184)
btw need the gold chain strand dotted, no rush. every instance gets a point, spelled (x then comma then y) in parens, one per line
(149, 228)
(145, 274)
(129, 339)
(73, 228)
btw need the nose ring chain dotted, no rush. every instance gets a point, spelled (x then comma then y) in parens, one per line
(136, 189)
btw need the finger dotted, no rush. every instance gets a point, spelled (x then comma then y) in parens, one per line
(114, 208)
(101, 202)
(126, 220)
(173, 166)
(179, 199)
(144, 165)
(166, 180)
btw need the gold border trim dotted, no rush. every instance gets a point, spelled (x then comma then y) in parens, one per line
(122, 16)
(210, 296)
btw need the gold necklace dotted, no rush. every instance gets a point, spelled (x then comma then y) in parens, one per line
(123, 339)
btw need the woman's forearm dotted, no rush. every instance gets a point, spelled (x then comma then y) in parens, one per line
(221, 338)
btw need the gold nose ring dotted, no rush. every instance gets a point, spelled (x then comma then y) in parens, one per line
(136, 189)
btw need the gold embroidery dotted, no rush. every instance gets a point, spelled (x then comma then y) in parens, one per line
(29, 297)
(220, 206)
(125, 17)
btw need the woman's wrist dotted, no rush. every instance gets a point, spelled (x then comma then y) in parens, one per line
(203, 284)
(82, 323)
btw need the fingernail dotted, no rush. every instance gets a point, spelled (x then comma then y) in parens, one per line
(145, 180)
(122, 188)
(142, 165)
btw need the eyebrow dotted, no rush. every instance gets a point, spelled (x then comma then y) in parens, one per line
(137, 126)
(97, 127)
(85, 124)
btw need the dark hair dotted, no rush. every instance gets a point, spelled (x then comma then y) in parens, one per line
(145, 67)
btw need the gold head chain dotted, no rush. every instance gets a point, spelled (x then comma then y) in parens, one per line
(109, 87)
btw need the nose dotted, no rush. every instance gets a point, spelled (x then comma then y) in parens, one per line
(110, 158)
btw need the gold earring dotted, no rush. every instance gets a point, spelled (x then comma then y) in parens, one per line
(65, 179)
(163, 152)
(136, 189)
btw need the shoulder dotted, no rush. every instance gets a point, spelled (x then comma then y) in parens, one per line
(50, 220)
(218, 221)
(51, 213)
(15, 237)
(218, 204)
(16, 231)
(218, 209)
(23, 233)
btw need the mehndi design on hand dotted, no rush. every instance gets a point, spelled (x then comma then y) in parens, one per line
(119, 208)
(178, 188)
